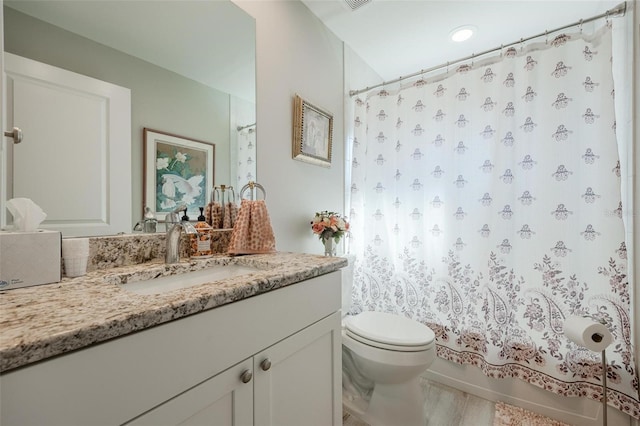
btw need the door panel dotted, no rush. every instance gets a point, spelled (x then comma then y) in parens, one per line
(75, 157)
(302, 385)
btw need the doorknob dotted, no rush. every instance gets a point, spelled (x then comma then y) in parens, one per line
(15, 134)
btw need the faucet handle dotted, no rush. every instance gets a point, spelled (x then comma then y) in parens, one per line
(172, 218)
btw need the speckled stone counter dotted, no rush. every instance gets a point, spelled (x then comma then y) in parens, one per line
(43, 321)
(132, 249)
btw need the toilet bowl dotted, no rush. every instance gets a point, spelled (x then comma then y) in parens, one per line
(383, 357)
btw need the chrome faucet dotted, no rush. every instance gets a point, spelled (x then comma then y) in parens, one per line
(174, 230)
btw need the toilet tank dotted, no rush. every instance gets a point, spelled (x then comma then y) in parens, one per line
(347, 284)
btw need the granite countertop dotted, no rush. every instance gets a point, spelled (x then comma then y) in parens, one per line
(43, 321)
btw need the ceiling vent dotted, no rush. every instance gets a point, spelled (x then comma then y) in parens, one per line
(356, 4)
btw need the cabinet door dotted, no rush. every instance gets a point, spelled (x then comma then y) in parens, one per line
(225, 399)
(298, 380)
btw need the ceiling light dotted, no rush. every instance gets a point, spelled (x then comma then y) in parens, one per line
(462, 33)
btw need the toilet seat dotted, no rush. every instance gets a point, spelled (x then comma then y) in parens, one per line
(389, 331)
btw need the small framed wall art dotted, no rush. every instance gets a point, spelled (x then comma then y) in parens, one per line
(177, 171)
(312, 133)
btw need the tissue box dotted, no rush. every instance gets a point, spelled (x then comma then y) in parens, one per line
(29, 258)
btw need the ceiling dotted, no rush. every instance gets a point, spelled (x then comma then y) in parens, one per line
(401, 37)
(395, 37)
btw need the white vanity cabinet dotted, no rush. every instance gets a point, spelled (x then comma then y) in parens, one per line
(271, 359)
(290, 383)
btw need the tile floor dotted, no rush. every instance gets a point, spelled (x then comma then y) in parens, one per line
(447, 406)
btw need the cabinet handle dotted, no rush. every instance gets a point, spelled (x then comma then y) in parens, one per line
(15, 134)
(266, 364)
(246, 376)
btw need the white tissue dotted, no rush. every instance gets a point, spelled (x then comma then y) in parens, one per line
(587, 333)
(27, 215)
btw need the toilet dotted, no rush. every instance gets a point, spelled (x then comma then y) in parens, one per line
(383, 356)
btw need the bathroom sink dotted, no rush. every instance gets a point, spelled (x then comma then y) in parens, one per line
(187, 279)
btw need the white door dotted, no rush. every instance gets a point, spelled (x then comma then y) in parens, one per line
(298, 381)
(75, 157)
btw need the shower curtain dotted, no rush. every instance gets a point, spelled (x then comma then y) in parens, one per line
(246, 156)
(486, 204)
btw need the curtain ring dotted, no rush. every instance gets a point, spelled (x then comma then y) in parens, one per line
(447, 67)
(501, 52)
(546, 37)
(580, 26)
(521, 44)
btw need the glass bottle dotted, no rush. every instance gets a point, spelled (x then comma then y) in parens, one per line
(201, 241)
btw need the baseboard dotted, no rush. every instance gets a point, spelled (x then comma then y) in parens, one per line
(575, 411)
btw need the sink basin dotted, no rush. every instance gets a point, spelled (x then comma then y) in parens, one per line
(187, 279)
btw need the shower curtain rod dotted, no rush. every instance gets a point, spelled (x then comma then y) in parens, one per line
(245, 127)
(619, 10)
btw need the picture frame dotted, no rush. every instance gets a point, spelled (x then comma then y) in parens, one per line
(176, 171)
(312, 133)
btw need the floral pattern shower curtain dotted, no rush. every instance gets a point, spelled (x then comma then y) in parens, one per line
(486, 203)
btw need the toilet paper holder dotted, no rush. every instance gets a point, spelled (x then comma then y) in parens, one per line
(598, 338)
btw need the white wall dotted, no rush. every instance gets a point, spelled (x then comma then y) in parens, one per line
(358, 74)
(296, 53)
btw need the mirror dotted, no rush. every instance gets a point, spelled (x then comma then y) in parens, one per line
(207, 48)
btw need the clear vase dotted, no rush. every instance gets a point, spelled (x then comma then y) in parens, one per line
(329, 246)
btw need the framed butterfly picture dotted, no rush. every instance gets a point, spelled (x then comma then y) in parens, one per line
(178, 171)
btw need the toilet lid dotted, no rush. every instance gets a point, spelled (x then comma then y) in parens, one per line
(389, 330)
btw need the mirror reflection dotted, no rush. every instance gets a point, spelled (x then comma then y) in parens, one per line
(190, 69)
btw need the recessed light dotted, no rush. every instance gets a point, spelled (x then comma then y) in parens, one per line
(462, 33)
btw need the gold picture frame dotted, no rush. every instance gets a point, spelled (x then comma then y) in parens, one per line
(312, 133)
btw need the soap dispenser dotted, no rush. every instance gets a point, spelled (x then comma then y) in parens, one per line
(201, 240)
(150, 222)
